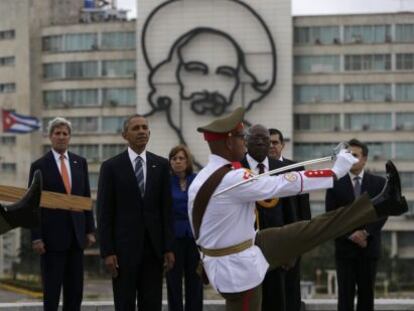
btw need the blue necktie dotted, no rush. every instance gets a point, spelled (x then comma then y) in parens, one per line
(139, 174)
(357, 186)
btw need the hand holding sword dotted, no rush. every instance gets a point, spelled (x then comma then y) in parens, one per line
(344, 161)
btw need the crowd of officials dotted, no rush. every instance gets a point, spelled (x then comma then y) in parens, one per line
(144, 227)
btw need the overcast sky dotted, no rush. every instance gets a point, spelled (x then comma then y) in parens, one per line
(312, 7)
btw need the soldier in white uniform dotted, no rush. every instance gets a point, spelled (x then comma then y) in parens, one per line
(235, 257)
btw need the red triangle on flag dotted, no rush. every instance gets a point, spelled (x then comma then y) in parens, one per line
(8, 121)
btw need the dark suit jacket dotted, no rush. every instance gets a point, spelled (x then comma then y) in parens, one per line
(300, 206)
(288, 210)
(58, 227)
(342, 194)
(124, 217)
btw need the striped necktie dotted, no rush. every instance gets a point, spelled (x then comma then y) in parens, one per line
(139, 174)
(65, 174)
(357, 186)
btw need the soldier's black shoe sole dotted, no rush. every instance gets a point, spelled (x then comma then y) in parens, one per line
(390, 201)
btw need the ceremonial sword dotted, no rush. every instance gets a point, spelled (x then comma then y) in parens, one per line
(336, 150)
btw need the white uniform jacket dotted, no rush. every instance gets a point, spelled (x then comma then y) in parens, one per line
(229, 220)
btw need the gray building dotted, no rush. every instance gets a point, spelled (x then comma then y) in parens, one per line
(63, 58)
(353, 77)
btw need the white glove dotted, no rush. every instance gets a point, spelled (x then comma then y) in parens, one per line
(343, 163)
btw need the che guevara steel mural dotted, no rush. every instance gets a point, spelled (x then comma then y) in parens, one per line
(186, 67)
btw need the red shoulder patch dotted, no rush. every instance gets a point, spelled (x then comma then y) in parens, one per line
(319, 173)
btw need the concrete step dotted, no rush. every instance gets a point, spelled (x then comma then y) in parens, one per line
(218, 305)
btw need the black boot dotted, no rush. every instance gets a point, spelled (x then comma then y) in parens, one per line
(390, 202)
(24, 213)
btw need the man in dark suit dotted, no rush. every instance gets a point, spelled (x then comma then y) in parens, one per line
(273, 213)
(62, 235)
(357, 252)
(297, 210)
(135, 220)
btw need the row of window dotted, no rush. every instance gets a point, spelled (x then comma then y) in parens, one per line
(8, 167)
(90, 69)
(94, 152)
(84, 125)
(7, 140)
(377, 150)
(358, 62)
(7, 87)
(111, 97)
(375, 92)
(7, 34)
(311, 35)
(355, 122)
(77, 42)
(318, 208)
(7, 61)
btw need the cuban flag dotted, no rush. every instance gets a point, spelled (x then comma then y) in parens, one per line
(17, 123)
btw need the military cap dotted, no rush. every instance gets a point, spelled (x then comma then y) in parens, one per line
(219, 129)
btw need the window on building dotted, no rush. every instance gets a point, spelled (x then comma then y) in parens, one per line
(404, 92)
(404, 151)
(316, 93)
(7, 87)
(405, 61)
(368, 121)
(7, 61)
(317, 122)
(118, 68)
(8, 140)
(88, 69)
(404, 121)
(7, 34)
(379, 150)
(53, 43)
(306, 151)
(84, 124)
(53, 71)
(112, 125)
(367, 34)
(110, 150)
(88, 151)
(404, 32)
(8, 167)
(119, 97)
(317, 35)
(407, 180)
(70, 42)
(81, 42)
(53, 99)
(93, 180)
(368, 92)
(118, 40)
(82, 98)
(317, 64)
(370, 62)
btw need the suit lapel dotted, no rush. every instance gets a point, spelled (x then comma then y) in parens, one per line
(348, 186)
(75, 171)
(151, 165)
(126, 170)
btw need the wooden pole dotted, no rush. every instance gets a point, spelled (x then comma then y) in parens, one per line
(49, 199)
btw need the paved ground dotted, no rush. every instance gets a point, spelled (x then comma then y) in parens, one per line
(94, 290)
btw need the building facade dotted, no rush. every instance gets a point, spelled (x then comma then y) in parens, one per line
(353, 77)
(79, 65)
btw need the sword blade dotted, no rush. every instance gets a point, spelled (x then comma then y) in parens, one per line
(276, 171)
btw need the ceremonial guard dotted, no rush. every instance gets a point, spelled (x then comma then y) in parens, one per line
(235, 257)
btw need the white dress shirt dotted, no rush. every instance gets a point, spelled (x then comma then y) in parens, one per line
(229, 220)
(57, 155)
(352, 176)
(132, 157)
(253, 164)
